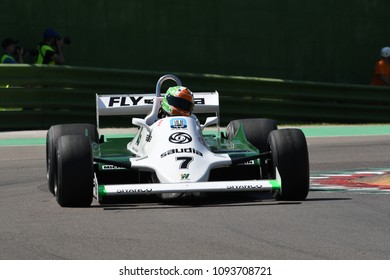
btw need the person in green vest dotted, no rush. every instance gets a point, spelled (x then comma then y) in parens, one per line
(50, 50)
(10, 51)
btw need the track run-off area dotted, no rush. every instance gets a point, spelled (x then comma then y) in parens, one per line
(345, 216)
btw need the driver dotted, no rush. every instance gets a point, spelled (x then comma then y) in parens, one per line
(178, 101)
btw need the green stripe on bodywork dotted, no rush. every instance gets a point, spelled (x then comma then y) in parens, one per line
(102, 190)
(242, 143)
(240, 137)
(275, 185)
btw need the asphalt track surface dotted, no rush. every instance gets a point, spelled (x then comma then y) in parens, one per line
(328, 225)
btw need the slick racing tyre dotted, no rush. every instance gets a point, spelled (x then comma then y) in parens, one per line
(291, 158)
(73, 186)
(52, 136)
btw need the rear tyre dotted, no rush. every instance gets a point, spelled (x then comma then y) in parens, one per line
(52, 136)
(74, 177)
(290, 156)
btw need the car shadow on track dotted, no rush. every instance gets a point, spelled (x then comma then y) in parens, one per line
(188, 201)
(210, 200)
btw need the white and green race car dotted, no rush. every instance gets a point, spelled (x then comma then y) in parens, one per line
(174, 155)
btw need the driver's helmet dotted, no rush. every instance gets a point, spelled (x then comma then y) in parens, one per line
(178, 101)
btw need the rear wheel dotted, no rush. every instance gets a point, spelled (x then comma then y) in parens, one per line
(52, 136)
(74, 177)
(290, 156)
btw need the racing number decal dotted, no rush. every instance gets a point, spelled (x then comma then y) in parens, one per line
(185, 161)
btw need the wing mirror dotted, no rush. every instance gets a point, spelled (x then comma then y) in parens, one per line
(210, 121)
(142, 123)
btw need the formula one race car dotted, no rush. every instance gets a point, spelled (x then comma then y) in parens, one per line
(174, 155)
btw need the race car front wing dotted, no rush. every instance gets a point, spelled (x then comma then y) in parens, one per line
(218, 186)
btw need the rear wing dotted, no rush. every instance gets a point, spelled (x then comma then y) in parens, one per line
(145, 104)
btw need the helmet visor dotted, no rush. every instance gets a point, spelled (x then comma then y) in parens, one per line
(180, 103)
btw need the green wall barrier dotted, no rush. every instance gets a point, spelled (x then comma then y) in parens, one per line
(41, 96)
(322, 40)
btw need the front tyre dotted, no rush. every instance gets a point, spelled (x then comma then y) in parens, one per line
(52, 136)
(74, 177)
(290, 156)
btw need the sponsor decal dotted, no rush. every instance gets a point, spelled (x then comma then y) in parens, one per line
(244, 187)
(127, 101)
(146, 190)
(181, 151)
(111, 167)
(148, 137)
(180, 138)
(160, 122)
(199, 101)
(178, 123)
(185, 176)
(134, 149)
(139, 137)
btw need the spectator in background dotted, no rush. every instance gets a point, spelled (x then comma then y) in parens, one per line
(10, 51)
(50, 50)
(381, 75)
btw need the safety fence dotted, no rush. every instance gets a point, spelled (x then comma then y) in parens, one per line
(36, 97)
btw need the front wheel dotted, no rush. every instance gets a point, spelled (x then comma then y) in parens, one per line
(74, 177)
(52, 136)
(290, 156)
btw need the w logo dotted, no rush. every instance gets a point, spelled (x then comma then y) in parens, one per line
(185, 176)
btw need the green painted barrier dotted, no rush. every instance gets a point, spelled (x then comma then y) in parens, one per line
(41, 96)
